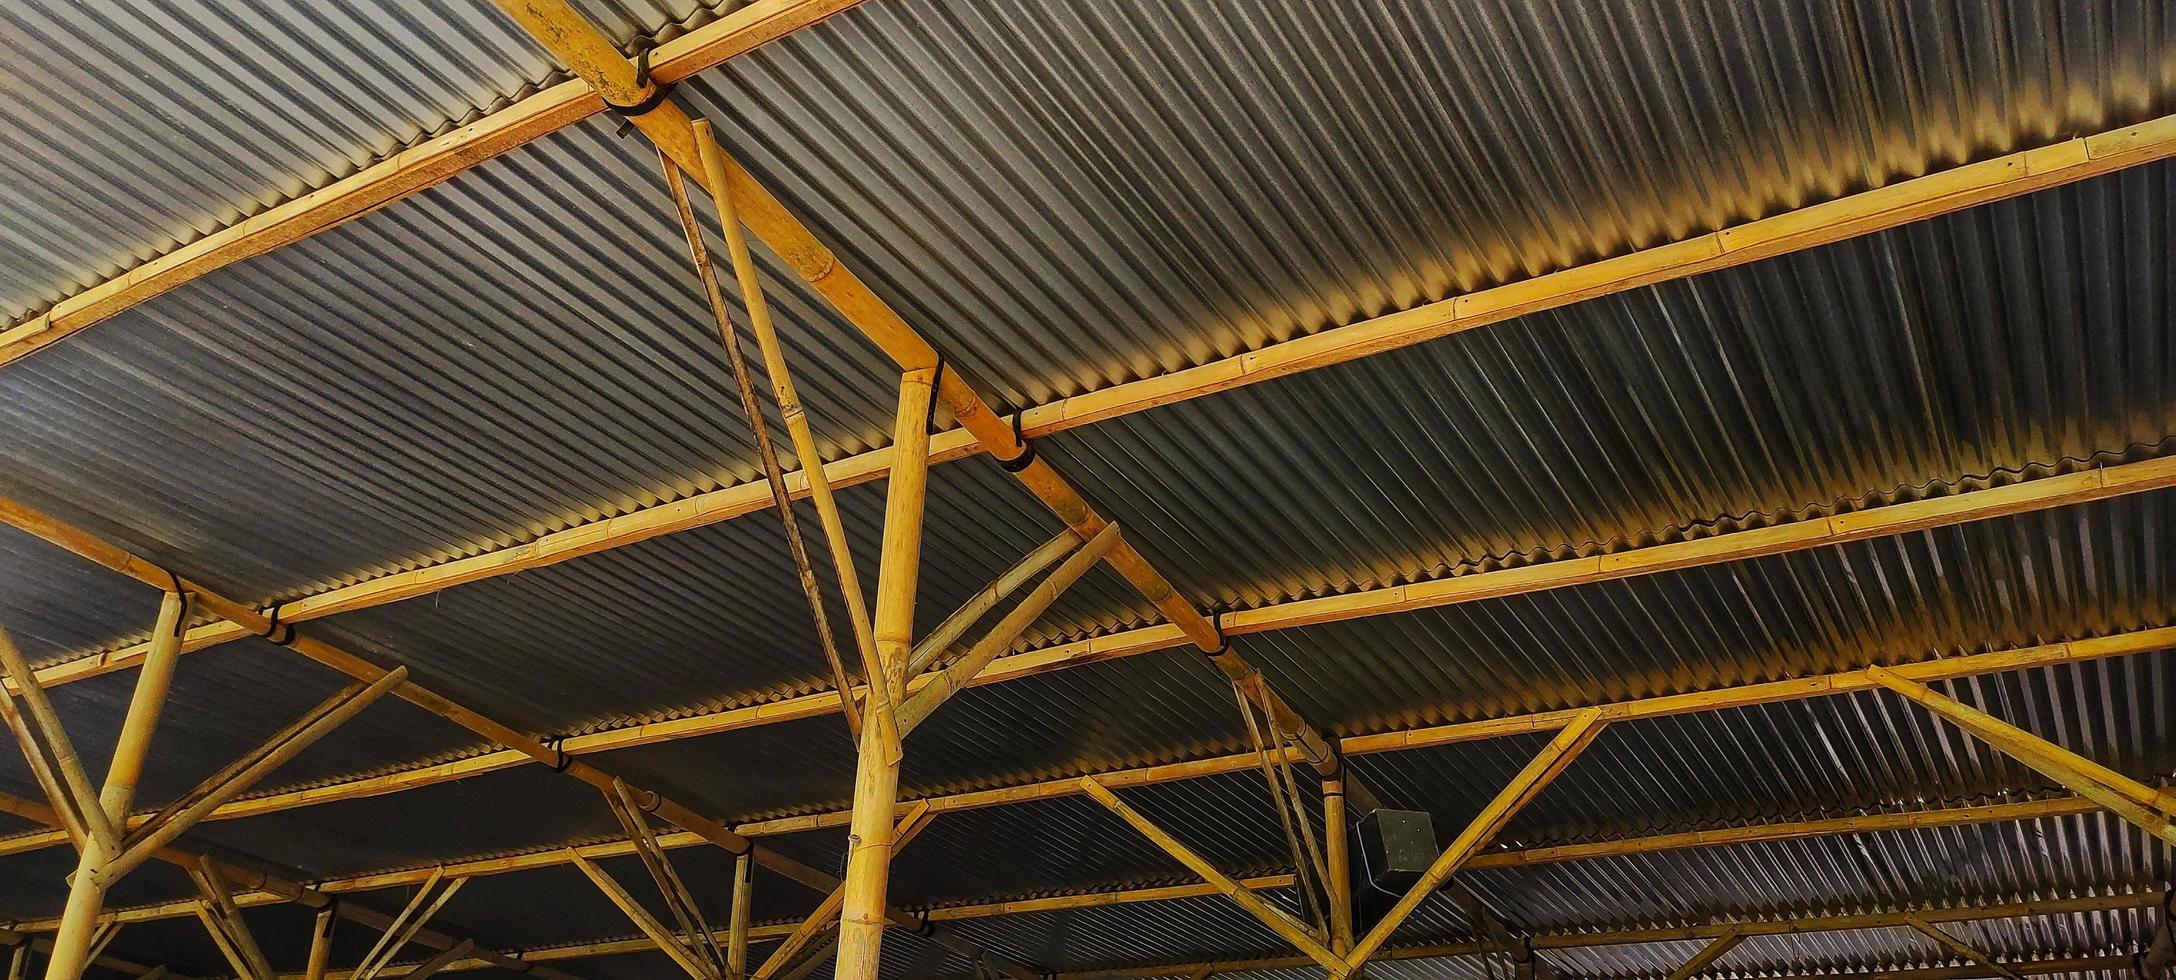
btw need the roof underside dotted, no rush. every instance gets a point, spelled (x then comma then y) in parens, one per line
(1064, 197)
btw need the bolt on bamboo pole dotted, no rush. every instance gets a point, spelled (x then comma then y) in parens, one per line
(789, 399)
(876, 774)
(1522, 789)
(759, 428)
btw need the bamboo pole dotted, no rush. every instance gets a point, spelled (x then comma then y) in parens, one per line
(788, 399)
(149, 698)
(955, 676)
(1278, 922)
(876, 773)
(1708, 954)
(1337, 838)
(827, 912)
(320, 946)
(223, 919)
(939, 640)
(1522, 789)
(736, 932)
(679, 947)
(759, 428)
(2126, 797)
(445, 958)
(1958, 947)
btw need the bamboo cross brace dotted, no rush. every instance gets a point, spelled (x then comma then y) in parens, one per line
(681, 947)
(321, 932)
(827, 912)
(1959, 947)
(1522, 789)
(412, 918)
(2126, 797)
(937, 641)
(223, 919)
(51, 756)
(1269, 915)
(445, 958)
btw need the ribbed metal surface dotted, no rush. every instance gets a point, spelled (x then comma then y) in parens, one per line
(133, 127)
(56, 605)
(504, 355)
(1069, 195)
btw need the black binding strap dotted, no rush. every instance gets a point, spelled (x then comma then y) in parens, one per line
(1026, 457)
(935, 381)
(276, 631)
(181, 622)
(558, 749)
(659, 91)
(1223, 643)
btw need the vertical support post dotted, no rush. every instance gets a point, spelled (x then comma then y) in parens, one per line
(1338, 841)
(87, 887)
(736, 930)
(876, 778)
(320, 946)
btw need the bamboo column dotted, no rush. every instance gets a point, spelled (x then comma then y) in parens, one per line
(736, 930)
(1959, 947)
(320, 946)
(876, 774)
(1338, 845)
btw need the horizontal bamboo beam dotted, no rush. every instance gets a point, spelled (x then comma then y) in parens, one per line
(407, 172)
(1912, 200)
(1740, 696)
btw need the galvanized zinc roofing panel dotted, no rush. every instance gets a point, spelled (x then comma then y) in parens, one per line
(132, 128)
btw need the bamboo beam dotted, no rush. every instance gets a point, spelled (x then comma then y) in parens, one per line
(1269, 915)
(2128, 798)
(1552, 760)
(445, 958)
(413, 916)
(92, 548)
(406, 172)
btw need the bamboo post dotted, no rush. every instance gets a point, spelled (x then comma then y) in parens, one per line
(759, 428)
(2128, 798)
(1960, 948)
(1523, 788)
(956, 676)
(876, 774)
(736, 930)
(320, 945)
(789, 400)
(1338, 844)
(969, 613)
(1277, 921)
(19, 960)
(153, 680)
(826, 913)
(1707, 955)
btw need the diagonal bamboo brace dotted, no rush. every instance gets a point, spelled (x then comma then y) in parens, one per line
(827, 912)
(940, 640)
(1522, 789)
(1283, 925)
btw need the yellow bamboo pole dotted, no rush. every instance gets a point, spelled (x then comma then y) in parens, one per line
(876, 779)
(681, 948)
(1958, 947)
(1278, 922)
(759, 428)
(1707, 955)
(939, 640)
(827, 911)
(789, 400)
(2126, 797)
(320, 946)
(955, 676)
(736, 930)
(1528, 784)
(1338, 844)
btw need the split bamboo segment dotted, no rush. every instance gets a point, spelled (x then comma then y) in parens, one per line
(1276, 919)
(759, 428)
(1522, 789)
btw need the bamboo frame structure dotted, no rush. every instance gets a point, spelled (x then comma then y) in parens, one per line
(2150, 809)
(223, 920)
(413, 916)
(1286, 927)
(826, 913)
(736, 930)
(320, 957)
(1716, 949)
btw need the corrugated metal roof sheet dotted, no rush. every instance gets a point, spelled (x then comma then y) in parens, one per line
(132, 128)
(1066, 196)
